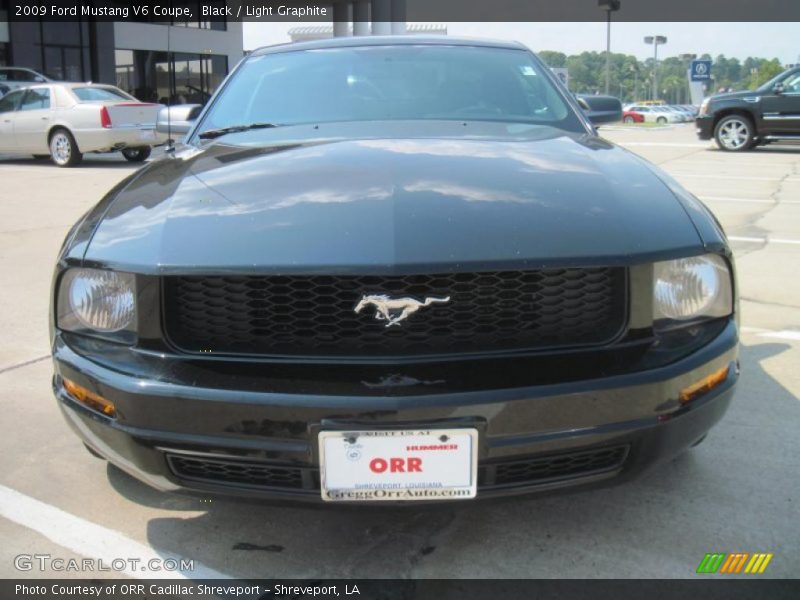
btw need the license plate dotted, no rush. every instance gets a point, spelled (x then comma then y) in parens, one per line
(147, 134)
(395, 465)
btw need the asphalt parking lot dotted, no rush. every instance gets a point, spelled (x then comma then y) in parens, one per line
(738, 491)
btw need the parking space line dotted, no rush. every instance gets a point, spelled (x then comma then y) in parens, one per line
(759, 240)
(663, 144)
(91, 540)
(24, 364)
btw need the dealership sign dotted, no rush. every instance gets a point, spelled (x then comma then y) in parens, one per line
(700, 70)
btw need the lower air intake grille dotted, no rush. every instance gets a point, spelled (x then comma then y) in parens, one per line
(497, 474)
(236, 472)
(524, 471)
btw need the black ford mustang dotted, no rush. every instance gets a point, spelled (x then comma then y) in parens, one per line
(393, 269)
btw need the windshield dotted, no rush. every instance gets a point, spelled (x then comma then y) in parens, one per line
(404, 82)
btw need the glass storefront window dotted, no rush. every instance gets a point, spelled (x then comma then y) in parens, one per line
(63, 50)
(63, 63)
(125, 79)
(179, 78)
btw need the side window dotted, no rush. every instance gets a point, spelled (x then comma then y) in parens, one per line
(792, 84)
(36, 99)
(9, 102)
(20, 75)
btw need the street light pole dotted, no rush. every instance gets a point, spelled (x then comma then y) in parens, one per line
(655, 40)
(609, 6)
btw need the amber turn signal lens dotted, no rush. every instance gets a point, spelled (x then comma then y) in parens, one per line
(90, 399)
(703, 386)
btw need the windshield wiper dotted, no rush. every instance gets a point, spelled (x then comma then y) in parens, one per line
(215, 133)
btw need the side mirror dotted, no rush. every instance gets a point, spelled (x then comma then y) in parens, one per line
(39, 79)
(778, 88)
(177, 119)
(601, 109)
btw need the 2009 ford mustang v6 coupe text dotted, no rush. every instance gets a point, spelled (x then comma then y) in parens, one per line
(393, 269)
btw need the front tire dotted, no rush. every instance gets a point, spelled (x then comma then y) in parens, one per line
(734, 133)
(136, 155)
(63, 149)
(628, 119)
(661, 120)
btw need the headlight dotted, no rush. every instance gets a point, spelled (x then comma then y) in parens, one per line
(97, 301)
(704, 106)
(692, 288)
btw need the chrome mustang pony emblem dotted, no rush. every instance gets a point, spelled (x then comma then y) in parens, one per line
(395, 310)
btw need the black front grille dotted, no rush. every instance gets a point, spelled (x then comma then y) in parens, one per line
(520, 472)
(314, 315)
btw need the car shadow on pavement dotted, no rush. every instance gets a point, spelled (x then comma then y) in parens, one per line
(771, 149)
(730, 493)
(111, 162)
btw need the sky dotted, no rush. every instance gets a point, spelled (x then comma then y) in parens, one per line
(740, 40)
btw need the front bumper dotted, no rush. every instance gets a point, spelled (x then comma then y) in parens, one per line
(705, 126)
(176, 437)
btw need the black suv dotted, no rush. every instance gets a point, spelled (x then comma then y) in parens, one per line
(743, 120)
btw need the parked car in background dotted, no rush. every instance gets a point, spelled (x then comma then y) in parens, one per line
(743, 120)
(66, 120)
(13, 78)
(685, 114)
(631, 116)
(665, 114)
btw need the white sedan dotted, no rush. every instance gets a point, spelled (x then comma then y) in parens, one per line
(66, 120)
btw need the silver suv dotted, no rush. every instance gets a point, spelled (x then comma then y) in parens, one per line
(12, 78)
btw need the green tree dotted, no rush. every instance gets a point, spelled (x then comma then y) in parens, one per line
(631, 79)
(766, 71)
(553, 59)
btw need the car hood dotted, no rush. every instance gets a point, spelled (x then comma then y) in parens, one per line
(489, 199)
(735, 95)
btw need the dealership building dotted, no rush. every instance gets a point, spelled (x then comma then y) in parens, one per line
(132, 55)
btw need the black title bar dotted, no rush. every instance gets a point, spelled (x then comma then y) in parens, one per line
(710, 587)
(307, 11)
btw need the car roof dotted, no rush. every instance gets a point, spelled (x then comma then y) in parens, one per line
(71, 84)
(387, 40)
(64, 84)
